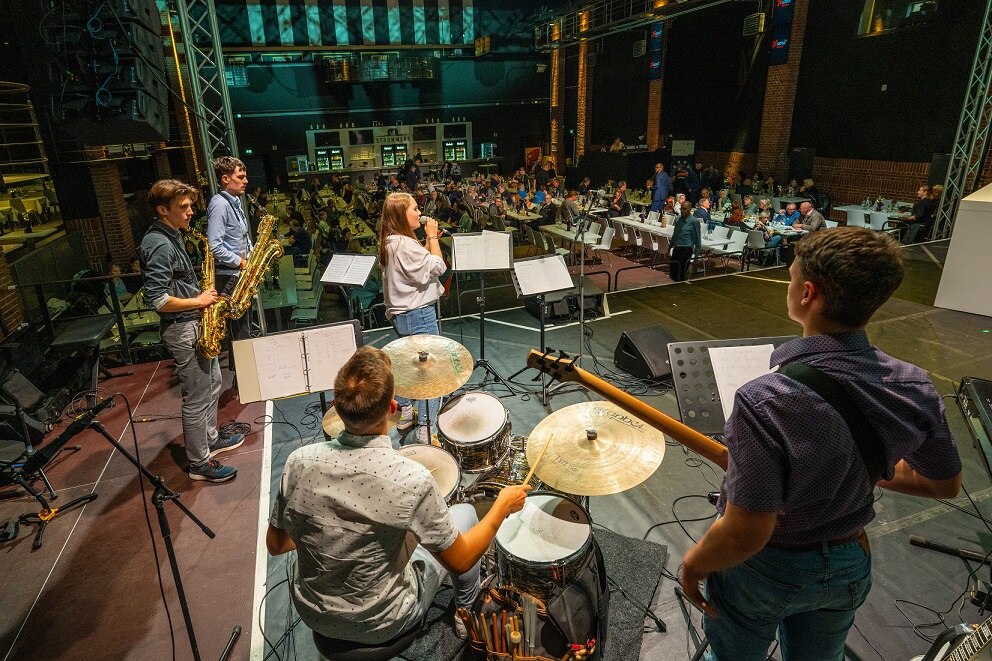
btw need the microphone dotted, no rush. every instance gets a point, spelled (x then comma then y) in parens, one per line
(40, 459)
(440, 232)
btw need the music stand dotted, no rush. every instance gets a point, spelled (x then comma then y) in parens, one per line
(483, 251)
(695, 387)
(538, 276)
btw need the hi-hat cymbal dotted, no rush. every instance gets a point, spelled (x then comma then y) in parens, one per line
(596, 449)
(427, 366)
(334, 425)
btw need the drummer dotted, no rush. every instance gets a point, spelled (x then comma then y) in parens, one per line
(374, 537)
(410, 286)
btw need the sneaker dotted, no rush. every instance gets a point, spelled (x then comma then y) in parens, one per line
(460, 630)
(408, 418)
(225, 443)
(212, 471)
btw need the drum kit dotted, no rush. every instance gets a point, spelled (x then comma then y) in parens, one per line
(587, 449)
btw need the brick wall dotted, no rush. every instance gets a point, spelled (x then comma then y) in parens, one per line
(118, 245)
(732, 162)
(163, 170)
(780, 100)
(850, 180)
(10, 304)
(92, 232)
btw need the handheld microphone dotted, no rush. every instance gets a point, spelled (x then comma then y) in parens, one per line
(440, 232)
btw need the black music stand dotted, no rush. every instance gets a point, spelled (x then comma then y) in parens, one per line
(538, 276)
(482, 252)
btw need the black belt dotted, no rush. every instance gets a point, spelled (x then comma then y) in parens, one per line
(177, 320)
(812, 546)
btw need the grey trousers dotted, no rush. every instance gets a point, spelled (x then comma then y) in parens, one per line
(200, 381)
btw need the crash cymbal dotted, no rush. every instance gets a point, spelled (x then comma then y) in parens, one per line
(428, 366)
(596, 448)
(334, 425)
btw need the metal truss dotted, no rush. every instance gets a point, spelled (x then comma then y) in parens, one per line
(205, 62)
(971, 141)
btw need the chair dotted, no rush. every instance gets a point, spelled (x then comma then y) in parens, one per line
(721, 232)
(594, 229)
(605, 244)
(306, 314)
(532, 240)
(830, 223)
(735, 247)
(654, 218)
(776, 204)
(878, 221)
(625, 233)
(756, 244)
(552, 249)
(346, 650)
(823, 204)
(856, 218)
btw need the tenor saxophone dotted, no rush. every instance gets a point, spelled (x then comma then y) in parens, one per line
(213, 318)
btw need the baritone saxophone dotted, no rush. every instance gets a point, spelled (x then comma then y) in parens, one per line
(213, 318)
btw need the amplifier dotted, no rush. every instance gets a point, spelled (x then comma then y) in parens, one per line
(975, 400)
(564, 304)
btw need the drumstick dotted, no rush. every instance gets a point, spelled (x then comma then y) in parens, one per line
(485, 630)
(539, 458)
(495, 633)
(505, 640)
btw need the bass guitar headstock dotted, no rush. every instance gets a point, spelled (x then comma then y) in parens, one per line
(558, 366)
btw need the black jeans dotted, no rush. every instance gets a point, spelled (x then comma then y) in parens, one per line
(678, 267)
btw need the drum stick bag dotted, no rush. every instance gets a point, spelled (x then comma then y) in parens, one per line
(580, 610)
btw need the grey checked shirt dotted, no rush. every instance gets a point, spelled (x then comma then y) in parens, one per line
(356, 510)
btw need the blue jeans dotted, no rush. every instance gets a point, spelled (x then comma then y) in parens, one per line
(808, 597)
(419, 320)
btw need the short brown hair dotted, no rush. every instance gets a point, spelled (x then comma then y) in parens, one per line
(856, 269)
(363, 389)
(227, 165)
(166, 191)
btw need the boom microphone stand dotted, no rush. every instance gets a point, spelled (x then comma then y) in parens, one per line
(160, 496)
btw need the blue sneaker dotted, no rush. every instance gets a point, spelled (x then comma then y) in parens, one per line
(212, 471)
(224, 444)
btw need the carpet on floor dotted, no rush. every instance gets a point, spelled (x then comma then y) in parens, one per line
(635, 565)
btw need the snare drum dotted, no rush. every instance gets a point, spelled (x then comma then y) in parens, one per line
(443, 467)
(543, 545)
(475, 429)
(512, 470)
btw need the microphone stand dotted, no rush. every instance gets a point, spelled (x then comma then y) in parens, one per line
(160, 496)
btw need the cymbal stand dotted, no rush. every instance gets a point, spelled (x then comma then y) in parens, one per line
(160, 496)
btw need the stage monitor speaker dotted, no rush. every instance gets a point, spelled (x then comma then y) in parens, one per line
(644, 353)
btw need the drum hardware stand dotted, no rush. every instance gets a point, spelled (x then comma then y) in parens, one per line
(481, 361)
(160, 496)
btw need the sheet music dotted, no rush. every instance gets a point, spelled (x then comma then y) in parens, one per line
(327, 350)
(539, 276)
(735, 366)
(348, 269)
(280, 363)
(487, 251)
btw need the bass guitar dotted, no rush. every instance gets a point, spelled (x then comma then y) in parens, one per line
(564, 369)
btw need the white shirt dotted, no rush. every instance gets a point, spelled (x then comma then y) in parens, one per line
(410, 275)
(356, 509)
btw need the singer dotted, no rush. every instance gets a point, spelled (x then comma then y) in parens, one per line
(410, 285)
(228, 235)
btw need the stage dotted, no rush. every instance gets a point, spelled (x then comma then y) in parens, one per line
(92, 590)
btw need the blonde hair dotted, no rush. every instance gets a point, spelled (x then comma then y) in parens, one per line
(165, 192)
(393, 221)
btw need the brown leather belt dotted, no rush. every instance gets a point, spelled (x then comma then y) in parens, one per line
(812, 546)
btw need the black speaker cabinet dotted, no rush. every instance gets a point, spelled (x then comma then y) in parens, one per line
(644, 353)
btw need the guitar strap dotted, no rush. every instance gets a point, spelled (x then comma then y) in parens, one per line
(869, 444)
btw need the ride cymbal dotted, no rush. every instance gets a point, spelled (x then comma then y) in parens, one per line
(428, 366)
(596, 448)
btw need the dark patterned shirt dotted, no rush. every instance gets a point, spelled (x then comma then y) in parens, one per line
(790, 452)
